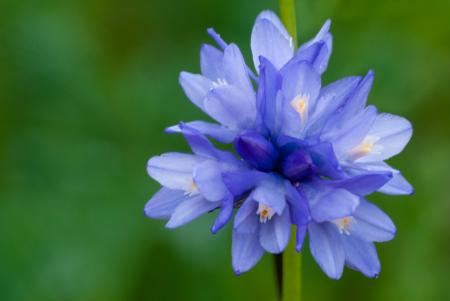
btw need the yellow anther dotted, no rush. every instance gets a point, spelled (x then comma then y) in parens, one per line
(299, 103)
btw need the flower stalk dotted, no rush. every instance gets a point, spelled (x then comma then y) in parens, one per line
(291, 260)
(287, 15)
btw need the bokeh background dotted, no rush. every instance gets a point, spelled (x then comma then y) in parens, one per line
(86, 88)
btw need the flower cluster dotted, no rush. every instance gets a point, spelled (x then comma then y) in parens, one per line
(305, 155)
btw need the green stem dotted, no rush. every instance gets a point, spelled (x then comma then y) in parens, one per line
(291, 275)
(291, 260)
(287, 14)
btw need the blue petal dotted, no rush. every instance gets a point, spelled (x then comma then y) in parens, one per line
(246, 251)
(298, 205)
(195, 87)
(218, 132)
(246, 219)
(358, 99)
(211, 62)
(173, 170)
(325, 161)
(361, 256)
(391, 134)
(326, 248)
(331, 98)
(208, 178)
(315, 54)
(325, 38)
(241, 181)
(201, 146)
(190, 210)
(230, 106)
(274, 235)
(300, 238)
(372, 224)
(363, 184)
(256, 150)
(164, 202)
(271, 193)
(225, 214)
(398, 185)
(332, 204)
(268, 41)
(269, 84)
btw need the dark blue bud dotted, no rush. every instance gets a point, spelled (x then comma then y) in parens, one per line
(297, 165)
(256, 150)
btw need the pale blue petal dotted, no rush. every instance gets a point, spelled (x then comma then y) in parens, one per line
(195, 87)
(273, 18)
(372, 224)
(327, 249)
(208, 178)
(215, 131)
(361, 256)
(333, 204)
(230, 107)
(236, 74)
(189, 210)
(268, 41)
(330, 99)
(173, 170)
(246, 251)
(397, 186)
(164, 202)
(354, 132)
(300, 80)
(271, 193)
(274, 234)
(246, 219)
(391, 134)
(211, 62)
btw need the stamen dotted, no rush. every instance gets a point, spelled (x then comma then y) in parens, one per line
(219, 83)
(344, 224)
(265, 213)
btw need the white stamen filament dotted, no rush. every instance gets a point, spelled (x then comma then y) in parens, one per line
(219, 82)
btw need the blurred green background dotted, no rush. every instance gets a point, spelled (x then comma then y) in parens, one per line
(86, 88)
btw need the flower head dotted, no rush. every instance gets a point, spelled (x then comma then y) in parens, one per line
(307, 154)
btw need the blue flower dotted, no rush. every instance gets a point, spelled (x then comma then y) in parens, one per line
(306, 155)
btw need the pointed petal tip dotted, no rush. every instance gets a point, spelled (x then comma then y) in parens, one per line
(214, 229)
